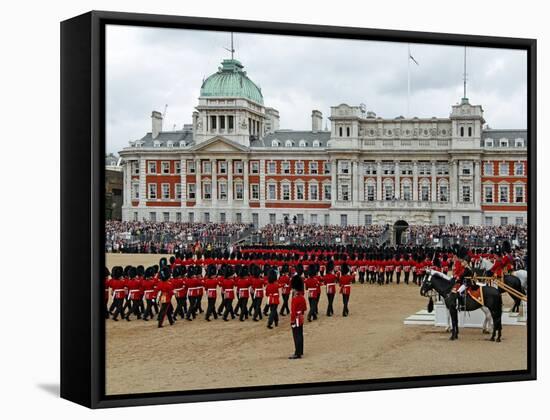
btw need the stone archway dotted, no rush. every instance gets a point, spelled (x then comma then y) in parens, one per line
(399, 227)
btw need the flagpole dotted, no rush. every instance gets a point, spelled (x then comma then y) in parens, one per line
(408, 79)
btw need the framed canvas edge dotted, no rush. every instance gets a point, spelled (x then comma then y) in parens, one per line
(94, 389)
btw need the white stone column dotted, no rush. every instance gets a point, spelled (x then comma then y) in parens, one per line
(378, 180)
(334, 182)
(361, 181)
(142, 182)
(198, 182)
(230, 183)
(434, 182)
(262, 183)
(127, 179)
(355, 182)
(454, 183)
(246, 184)
(397, 181)
(183, 180)
(214, 165)
(477, 183)
(415, 180)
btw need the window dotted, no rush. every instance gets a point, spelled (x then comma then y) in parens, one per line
(299, 168)
(271, 167)
(327, 219)
(519, 169)
(316, 143)
(503, 168)
(488, 221)
(239, 191)
(239, 167)
(313, 219)
(255, 191)
(165, 167)
(178, 191)
(222, 217)
(288, 143)
(345, 193)
(165, 216)
(388, 191)
(300, 191)
(503, 194)
(153, 216)
(488, 193)
(302, 143)
(156, 143)
(135, 168)
(466, 169)
(206, 217)
(286, 191)
(286, 167)
(406, 169)
(344, 167)
(300, 219)
(343, 220)
(327, 192)
(239, 217)
(340, 131)
(206, 167)
(520, 143)
(489, 143)
(370, 192)
(191, 191)
(152, 191)
(466, 194)
(441, 220)
(313, 192)
(191, 168)
(177, 166)
(388, 168)
(465, 220)
(461, 131)
(488, 168)
(504, 220)
(518, 194)
(425, 192)
(222, 191)
(136, 216)
(206, 190)
(275, 143)
(469, 131)
(313, 168)
(503, 142)
(519, 220)
(191, 217)
(368, 219)
(326, 167)
(442, 169)
(370, 168)
(407, 193)
(443, 192)
(152, 167)
(272, 218)
(178, 217)
(271, 192)
(255, 167)
(230, 122)
(213, 121)
(135, 191)
(222, 167)
(348, 131)
(222, 122)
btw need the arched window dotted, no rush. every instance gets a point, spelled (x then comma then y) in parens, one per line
(170, 144)
(341, 131)
(182, 143)
(443, 190)
(461, 131)
(303, 143)
(316, 143)
(469, 131)
(425, 190)
(289, 143)
(406, 190)
(388, 190)
(275, 143)
(370, 190)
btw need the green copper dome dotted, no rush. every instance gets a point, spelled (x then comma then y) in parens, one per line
(231, 80)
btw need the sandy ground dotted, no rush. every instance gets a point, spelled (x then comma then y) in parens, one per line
(371, 343)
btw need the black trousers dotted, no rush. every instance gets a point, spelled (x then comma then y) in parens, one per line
(193, 306)
(127, 306)
(273, 315)
(284, 306)
(312, 314)
(298, 336)
(199, 304)
(243, 308)
(181, 307)
(406, 278)
(135, 308)
(380, 277)
(361, 277)
(222, 305)
(398, 277)
(256, 308)
(414, 278)
(345, 298)
(211, 309)
(228, 304)
(389, 277)
(166, 310)
(117, 306)
(330, 309)
(148, 313)
(372, 277)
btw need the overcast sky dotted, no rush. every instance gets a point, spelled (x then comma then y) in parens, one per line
(148, 68)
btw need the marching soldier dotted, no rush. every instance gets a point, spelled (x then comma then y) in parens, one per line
(284, 283)
(312, 287)
(298, 308)
(106, 291)
(180, 291)
(149, 292)
(118, 290)
(165, 292)
(345, 288)
(135, 295)
(272, 292)
(228, 285)
(211, 285)
(330, 283)
(243, 284)
(257, 285)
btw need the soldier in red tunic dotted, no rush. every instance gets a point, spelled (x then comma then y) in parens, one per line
(180, 291)
(257, 286)
(329, 280)
(135, 294)
(272, 293)
(149, 292)
(312, 287)
(118, 290)
(165, 291)
(194, 283)
(243, 284)
(345, 287)
(106, 291)
(284, 283)
(298, 308)
(228, 285)
(211, 286)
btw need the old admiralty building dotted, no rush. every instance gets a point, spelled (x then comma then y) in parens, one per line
(234, 164)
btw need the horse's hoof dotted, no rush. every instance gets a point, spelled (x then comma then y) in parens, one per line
(492, 339)
(498, 340)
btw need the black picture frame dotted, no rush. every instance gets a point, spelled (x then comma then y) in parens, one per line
(82, 206)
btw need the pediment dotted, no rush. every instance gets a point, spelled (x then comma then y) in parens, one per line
(219, 144)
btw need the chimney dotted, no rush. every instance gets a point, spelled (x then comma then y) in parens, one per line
(316, 121)
(156, 119)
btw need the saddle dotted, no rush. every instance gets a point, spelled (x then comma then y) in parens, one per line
(476, 293)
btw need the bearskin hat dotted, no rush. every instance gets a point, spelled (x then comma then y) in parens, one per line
(172, 259)
(299, 269)
(272, 276)
(132, 272)
(149, 272)
(345, 269)
(229, 271)
(255, 270)
(140, 270)
(506, 247)
(106, 273)
(162, 262)
(330, 266)
(156, 268)
(297, 283)
(164, 273)
(462, 253)
(211, 270)
(126, 269)
(117, 272)
(284, 269)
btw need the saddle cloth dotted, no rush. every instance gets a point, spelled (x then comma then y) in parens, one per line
(477, 294)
